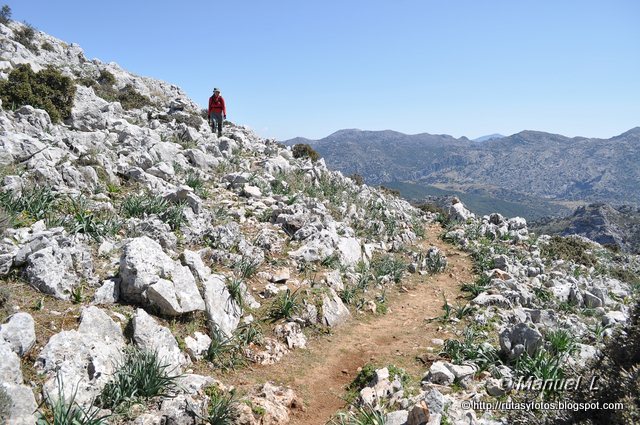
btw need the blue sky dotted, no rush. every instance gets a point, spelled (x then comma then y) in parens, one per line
(309, 68)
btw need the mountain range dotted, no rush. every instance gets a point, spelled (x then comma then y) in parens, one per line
(539, 173)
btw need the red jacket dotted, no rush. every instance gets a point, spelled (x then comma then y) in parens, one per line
(216, 104)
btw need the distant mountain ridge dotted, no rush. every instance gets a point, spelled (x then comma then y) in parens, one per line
(525, 165)
(488, 137)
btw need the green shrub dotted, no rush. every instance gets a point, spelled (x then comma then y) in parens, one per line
(617, 374)
(224, 352)
(140, 375)
(476, 288)
(80, 218)
(47, 46)
(236, 289)
(106, 78)
(390, 266)
(35, 203)
(561, 341)
(389, 191)
(362, 379)
(143, 205)
(5, 14)
(25, 36)
(305, 151)
(246, 267)
(357, 179)
(221, 407)
(47, 89)
(129, 98)
(569, 249)
(285, 305)
(541, 365)
(470, 349)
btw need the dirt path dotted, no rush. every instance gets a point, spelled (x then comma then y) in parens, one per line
(320, 372)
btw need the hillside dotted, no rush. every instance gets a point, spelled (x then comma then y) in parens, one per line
(613, 226)
(154, 273)
(533, 168)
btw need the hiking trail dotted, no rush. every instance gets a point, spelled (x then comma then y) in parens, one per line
(320, 372)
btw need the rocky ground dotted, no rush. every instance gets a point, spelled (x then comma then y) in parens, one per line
(615, 227)
(153, 273)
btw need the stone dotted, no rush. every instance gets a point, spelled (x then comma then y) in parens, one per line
(193, 260)
(271, 290)
(108, 293)
(614, 317)
(281, 275)
(10, 371)
(222, 311)
(435, 401)
(82, 359)
(151, 277)
(143, 263)
(23, 404)
(149, 335)
(458, 212)
(251, 191)
(495, 387)
(334, 312)
(275, 401)
(462, 372)
(333, 280)
(19, 332)
(292, 334)
(591, 301)
(399, 417)
(439, 373)
(519, 338)
(51, 270)
(349, 250)
(197, 345)
(419, 414)
(176, 296)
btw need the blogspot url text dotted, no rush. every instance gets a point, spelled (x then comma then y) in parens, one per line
(538, 406)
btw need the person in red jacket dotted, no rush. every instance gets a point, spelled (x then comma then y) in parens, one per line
(217, 111)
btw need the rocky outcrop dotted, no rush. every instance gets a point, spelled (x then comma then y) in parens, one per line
(151, 277)
(82, 360)
(618, 227)
(149, 335)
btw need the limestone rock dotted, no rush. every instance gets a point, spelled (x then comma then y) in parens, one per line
(334, 312)
(149, 335)
(220, 307)
(19, 332)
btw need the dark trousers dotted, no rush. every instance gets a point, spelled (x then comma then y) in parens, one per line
(215, 120)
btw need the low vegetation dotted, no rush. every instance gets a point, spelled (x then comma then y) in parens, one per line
(47, 89)
(104, 87)
(5, 14)
(140, 375)
(62, 409)
(570, 249)
(304, 150)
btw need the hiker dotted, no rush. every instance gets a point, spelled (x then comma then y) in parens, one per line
(217, 111)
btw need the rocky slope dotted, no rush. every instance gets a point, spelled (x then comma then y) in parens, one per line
(142, 257)
(528, 164)
(134, 220)
(613, 226)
